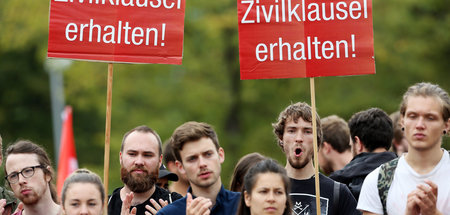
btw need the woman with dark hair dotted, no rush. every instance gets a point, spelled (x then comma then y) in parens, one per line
(83, 193)
(266, 187)
(242, 167)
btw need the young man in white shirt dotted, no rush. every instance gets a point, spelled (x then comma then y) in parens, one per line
(420, 181)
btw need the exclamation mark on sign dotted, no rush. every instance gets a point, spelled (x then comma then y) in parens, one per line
(163, 34)
(353, 45)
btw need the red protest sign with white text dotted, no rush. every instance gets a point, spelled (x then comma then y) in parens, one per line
(132, 31)
(305, 38)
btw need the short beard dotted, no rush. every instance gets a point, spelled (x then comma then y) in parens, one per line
(30, 199)
(297, 165)
(139, 183)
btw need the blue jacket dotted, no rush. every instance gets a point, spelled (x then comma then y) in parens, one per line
(226, 204)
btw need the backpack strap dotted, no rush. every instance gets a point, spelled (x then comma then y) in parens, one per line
(336, 195)
(385, 177)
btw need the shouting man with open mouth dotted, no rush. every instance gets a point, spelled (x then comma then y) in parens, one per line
(294, 132)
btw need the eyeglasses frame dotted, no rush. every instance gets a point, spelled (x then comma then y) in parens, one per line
(21, 173)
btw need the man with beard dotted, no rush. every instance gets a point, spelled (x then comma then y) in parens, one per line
(295, 137)
(29, 173)
(140, 158)
(199, 156)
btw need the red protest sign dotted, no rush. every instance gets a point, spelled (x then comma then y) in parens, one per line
(305, 38)
(133, 31)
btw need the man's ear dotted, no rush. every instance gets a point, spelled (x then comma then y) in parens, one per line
(160, 160)
(48, 177)
(281, 144)
(359, 146)
(221, 155)
(171, 166)
(402, 122)
(120, 158)
(180, 167)
(326, 147)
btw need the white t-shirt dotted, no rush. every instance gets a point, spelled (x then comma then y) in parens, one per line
(405, 181)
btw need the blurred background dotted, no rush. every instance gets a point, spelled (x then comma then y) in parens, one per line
(412, 44)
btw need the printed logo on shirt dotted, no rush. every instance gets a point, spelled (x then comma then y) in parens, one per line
(305, 204)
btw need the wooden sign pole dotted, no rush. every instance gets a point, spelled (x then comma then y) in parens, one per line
(107, 133)
(314, 125)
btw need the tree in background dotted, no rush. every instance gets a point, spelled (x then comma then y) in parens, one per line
(411, 45)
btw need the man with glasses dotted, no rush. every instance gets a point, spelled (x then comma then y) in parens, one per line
(29, 173)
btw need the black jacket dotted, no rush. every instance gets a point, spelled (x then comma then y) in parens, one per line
(354, 173)
(115, 203)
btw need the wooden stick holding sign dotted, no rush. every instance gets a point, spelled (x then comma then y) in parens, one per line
(316, 160)
(306, 42)
(113, 41)
(107, 133)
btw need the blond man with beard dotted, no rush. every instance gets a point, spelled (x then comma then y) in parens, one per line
(29, 173)
(140, 158)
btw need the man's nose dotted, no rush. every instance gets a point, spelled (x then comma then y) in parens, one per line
(21, 179)
(299, 136)
(201, 161)
(139, 160)
(420, 123)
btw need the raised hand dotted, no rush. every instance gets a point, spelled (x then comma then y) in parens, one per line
(19, 208)
(423, 200)
(2, 205)
(197, 206)
(126, 205)
(156, 206)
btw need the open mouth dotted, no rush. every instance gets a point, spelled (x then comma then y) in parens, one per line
(298, 152)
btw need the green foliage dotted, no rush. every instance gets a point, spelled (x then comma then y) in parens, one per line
(411, 45)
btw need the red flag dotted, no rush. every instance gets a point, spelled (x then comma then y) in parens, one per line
(67, 153)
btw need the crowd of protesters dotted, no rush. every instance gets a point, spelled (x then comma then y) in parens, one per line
(372, 164)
